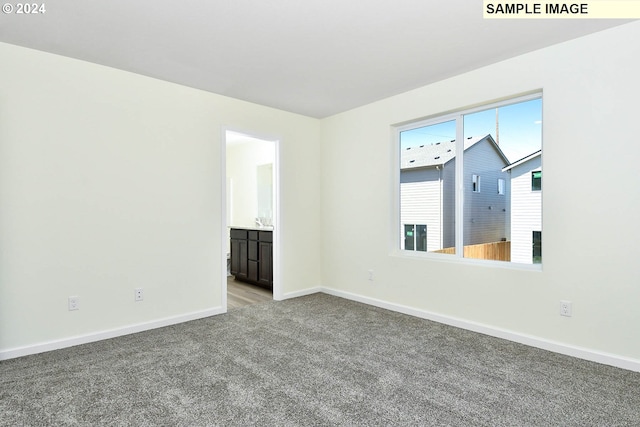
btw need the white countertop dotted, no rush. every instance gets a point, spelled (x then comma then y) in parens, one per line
(254, 227)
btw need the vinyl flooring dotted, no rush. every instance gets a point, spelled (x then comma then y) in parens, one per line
(240, 294)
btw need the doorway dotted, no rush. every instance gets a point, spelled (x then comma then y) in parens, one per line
(251, 202)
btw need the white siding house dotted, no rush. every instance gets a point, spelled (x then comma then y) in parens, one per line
(427, 192)
(421, 201)
(526, 207)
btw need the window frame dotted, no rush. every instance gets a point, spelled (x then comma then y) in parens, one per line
(536, 247)
(533, 180)
(395, 248)
(475, 183)
(414, 229)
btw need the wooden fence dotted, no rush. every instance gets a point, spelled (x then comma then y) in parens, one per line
(499, 251)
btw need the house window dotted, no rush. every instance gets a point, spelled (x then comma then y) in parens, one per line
(475, 183)
(536, 181)
(537, 247)
(415, 237)
(443, 161)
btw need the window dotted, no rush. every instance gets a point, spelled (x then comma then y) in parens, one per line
(537, 247)
(415, 237)
(500, 142)
(475, 183)
(536, 181)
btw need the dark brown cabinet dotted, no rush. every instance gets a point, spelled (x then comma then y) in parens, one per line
(239, 260)
(252, 256)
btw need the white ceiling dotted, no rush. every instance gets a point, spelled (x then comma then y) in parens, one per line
(312, 57)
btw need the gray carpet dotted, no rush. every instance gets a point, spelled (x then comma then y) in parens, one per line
(317, 360)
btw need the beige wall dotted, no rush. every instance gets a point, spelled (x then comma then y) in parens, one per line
(111, 181)
(590, 227)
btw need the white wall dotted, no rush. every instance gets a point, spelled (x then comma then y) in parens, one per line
(111, 181)
(591, 90)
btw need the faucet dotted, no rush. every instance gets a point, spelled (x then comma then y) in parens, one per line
(259, 222)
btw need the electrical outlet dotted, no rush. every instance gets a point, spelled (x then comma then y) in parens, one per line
(139, 294)
(371, 275)
(565, 308)
(74, 303)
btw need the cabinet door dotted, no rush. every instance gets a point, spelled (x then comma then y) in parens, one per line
(243, 260)
(253, 250)
(265, 274)
(253, 271)
(235, 256)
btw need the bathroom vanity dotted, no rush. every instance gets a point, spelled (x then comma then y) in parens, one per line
(252, 255)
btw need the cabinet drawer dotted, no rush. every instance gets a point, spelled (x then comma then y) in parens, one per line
(238, 234)
(253, 235)
(265, 236)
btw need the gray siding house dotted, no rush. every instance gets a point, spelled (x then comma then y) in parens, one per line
(427, 194)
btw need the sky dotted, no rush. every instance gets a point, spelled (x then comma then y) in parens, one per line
(519, 129)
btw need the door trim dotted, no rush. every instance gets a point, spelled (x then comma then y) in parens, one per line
(277, 213)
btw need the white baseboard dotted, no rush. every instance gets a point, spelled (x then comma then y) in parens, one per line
(556, 347)
(103, 335)
(126, 330)
(304, 292)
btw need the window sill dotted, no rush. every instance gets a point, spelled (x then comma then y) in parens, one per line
(455, 259)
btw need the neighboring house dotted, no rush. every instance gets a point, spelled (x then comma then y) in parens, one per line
(427, 194)
(526, 209)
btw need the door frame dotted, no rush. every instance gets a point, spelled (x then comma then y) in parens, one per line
(277, 213)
